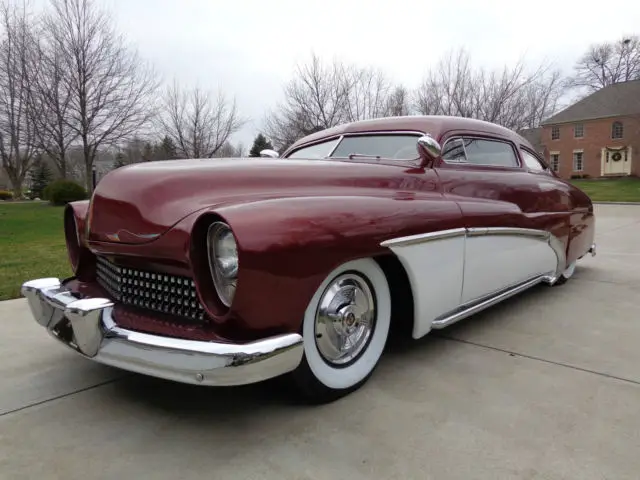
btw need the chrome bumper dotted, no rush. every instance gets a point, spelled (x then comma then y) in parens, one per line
(86, 326)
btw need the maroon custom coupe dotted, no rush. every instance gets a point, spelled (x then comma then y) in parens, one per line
(232, 271)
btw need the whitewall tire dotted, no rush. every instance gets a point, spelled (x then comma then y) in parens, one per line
(345, 330)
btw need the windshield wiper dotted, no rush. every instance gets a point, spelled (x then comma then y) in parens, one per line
(362, 155)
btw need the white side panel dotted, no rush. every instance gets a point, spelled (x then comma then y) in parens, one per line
(493, 262)
(435, 269)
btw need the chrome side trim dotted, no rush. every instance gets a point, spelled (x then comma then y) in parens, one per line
(526, 232)
(86, 325)
(424, 237)
(478, 305)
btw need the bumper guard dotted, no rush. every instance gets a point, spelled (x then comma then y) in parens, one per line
(86, 326)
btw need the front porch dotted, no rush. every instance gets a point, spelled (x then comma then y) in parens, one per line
(616, 161)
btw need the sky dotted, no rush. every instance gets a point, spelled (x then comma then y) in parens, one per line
(249, 48)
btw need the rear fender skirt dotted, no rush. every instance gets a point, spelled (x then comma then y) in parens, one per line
(451, 269)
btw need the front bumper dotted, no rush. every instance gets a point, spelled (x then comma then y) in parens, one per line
(86, 326)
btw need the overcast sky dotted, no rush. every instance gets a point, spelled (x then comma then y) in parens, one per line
(250, 47)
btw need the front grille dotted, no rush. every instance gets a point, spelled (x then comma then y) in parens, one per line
(169, 294)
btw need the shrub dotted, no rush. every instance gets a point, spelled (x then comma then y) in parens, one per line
(62, 192)
(5, 195)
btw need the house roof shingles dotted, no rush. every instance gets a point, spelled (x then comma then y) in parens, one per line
(534, 136)
(619, 99)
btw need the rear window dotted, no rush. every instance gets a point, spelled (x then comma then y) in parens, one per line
(400, 147)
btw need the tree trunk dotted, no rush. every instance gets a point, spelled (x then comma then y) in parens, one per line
(16, 184)
(89, 177)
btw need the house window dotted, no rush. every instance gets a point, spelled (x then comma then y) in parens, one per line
(617, 130)
(578, 161)
(555, 161)
(555, 133)
(578, 130)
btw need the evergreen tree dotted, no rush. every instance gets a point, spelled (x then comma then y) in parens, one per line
(147, 152)
(120, 161)
(260, 143)
(168, 149)
(41, 176)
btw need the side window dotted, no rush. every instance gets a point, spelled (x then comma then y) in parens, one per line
(532, 162)
(316, 151)
(453, 151)
(490, 152)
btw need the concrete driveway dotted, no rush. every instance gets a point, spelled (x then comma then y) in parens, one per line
(545, 386)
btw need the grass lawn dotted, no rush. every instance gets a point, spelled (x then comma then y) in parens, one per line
(31, 245)
(611, 190)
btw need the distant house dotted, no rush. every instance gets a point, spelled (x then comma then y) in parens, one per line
(534, 136)
(598, 136)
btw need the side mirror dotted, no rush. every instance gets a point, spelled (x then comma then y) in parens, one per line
(429, 148)
(269, 153)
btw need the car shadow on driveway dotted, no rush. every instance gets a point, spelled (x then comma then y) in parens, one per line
(520, 312)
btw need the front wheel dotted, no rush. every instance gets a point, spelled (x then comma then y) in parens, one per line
(345, 330)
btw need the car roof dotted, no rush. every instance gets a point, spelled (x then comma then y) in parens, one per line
(435, 125)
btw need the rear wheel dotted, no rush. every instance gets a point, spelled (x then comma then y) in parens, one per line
(345, 329)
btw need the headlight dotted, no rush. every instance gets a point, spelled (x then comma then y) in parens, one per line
(223, 260)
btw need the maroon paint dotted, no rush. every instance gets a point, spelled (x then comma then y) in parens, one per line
(296, 220)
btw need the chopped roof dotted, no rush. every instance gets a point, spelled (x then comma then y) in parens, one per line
(619, 99)
(436, 125)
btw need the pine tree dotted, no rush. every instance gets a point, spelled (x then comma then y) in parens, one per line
(168, 149)
(120, 161)
(41, 176)
(147, 152)
(259, 144)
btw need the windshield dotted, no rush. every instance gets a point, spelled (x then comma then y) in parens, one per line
(389, 146)
(319, 150)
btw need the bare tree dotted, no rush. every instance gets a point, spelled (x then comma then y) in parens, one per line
(50, 99)
(513, 97)
(229, 150)
(16, 132)
(198, 123)
(314, 99)
(398, 102)
(608, 63)
(111, 88)
(322, 95)
(368, 93)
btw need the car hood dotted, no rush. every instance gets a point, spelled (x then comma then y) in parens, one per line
(138, 203)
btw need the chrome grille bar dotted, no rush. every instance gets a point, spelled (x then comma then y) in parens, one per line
(160, 292)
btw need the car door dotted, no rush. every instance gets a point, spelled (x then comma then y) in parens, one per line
(508, 210)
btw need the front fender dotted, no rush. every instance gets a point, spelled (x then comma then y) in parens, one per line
(286, 247)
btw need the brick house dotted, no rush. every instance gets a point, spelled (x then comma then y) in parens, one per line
(534, 136)
(599, 136)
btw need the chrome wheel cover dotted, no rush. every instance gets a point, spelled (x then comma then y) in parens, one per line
(345, 319)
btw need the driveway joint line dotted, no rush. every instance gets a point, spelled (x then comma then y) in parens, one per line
(64, 395)
(540, 359)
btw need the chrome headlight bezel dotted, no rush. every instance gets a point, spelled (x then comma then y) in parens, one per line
(223, 265)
